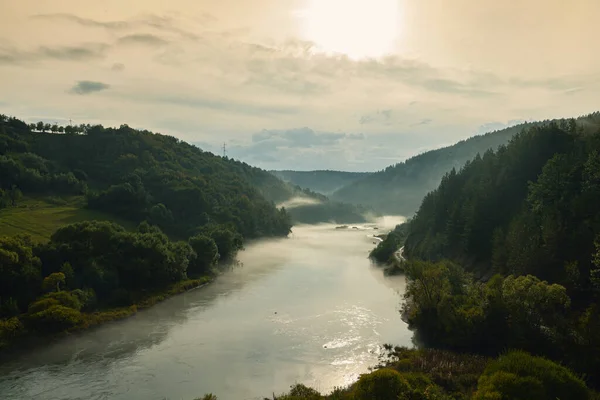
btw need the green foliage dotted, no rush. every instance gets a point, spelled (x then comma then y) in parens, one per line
(518, 375)
(10, 330)
(53, 282)
(20, 270)
(42, 304)
(383, 384)
(56, 318)
(138, 175)
(41, 217)
(530, 211)
(384, 252)
(206, 254)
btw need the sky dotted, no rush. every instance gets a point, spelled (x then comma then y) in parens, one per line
(351, 85)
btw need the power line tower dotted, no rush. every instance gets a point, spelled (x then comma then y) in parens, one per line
(224, 150)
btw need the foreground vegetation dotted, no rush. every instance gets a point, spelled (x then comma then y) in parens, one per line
(427, 374)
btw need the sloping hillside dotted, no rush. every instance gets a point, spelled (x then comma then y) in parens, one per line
(324, 182)
(138, 175)
(399, 189)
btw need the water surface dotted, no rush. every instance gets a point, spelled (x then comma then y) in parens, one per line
(308, 309)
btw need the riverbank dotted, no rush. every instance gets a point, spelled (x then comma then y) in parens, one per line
(13, 332)
(291, 313)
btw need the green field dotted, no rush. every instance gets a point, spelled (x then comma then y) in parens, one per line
(40, 217)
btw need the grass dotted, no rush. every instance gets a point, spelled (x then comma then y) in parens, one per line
(41, 217)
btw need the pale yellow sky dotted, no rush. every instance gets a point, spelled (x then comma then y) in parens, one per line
(377, 80)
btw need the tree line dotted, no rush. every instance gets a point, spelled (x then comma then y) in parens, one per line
(91, 266)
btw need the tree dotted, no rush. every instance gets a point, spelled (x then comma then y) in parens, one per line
(20, 270)
(520, 376)
(383, 384)
(40, 126)
(53, 282)
(207, 254)
(15, 195)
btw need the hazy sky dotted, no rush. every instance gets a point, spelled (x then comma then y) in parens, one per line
(301, 84)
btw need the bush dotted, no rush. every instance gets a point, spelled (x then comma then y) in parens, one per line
(42, 304)
(383, 384)
(66, 299)
(518, 375)
(55, 319)
(10, 329)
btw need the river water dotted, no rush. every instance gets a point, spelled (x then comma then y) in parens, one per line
(308, 309)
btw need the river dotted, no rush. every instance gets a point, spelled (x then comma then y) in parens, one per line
(308, 309)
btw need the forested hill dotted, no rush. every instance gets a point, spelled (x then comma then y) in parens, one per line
(324, 182)
(399, 189)
(530, 207)
(138, 175)
(525, 220)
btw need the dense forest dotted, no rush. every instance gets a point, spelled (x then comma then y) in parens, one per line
(399, 189)
(324, 182)
(505, 253)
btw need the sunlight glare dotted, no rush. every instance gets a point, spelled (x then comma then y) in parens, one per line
(356, 28)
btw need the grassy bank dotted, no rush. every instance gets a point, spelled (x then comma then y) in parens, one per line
(13, 331)
(40, 217)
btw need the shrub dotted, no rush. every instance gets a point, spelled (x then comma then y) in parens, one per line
(42, 304)
(383, 384)
(10, 329)
(66, 299)
(55, 319)
(518, 375)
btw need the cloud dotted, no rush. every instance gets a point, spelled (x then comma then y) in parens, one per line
(84, 52)
(118, 67)
(87, 87)
(296, 138)
(380, 117)
(85, 21)
(214, 102)
(160, 23)
(143, 39)
(425, 121)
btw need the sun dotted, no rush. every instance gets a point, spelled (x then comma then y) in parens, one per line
(356, 28)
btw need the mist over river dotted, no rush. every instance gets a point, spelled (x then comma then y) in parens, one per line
(307, 309)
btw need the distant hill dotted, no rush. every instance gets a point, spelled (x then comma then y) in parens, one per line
(399, 189)
(324, 182)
